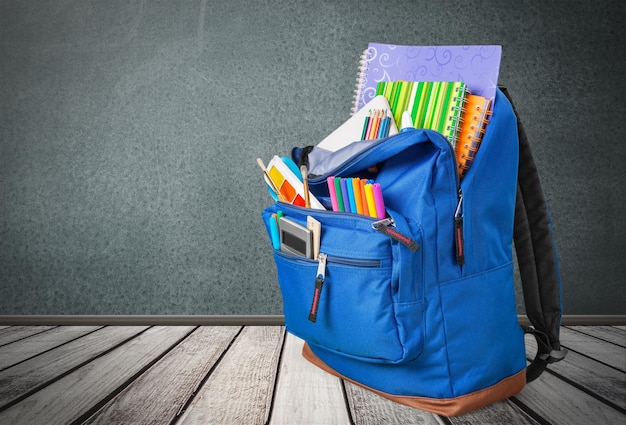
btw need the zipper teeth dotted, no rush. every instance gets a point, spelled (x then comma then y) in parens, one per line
(347, 163)
(329, 213)
(353, 261)
(346, 261)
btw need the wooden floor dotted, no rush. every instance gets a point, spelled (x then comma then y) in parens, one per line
(256, 375)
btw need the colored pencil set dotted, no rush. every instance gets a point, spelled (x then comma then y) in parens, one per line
(376, 125)
(358, 196)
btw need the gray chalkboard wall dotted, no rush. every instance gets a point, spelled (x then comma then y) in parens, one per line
(129, 132)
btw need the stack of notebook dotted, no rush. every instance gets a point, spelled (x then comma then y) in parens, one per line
(448, 89)
(432, 105)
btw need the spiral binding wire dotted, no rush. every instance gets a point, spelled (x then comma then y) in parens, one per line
(454, 128)
(361, 80)
(474, 121)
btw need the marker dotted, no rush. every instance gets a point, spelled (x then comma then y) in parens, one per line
(356, 188)
(344, 195)
(332, 192)
(366, 210)
(274, 235)
(340, 206)
(371, 203)
(378, 200)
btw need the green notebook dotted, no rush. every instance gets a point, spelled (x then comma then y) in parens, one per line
(432, 105)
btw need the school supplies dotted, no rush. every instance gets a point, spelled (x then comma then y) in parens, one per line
(433, 105)
(286, 185)
(305, 186)
(356, 195)
(475, 119)
(420, 306)
(376, 124)
(295, 239)
(352, 129)
(316, 233)
(477, 66)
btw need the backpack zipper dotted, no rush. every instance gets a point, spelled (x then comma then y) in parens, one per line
(320, 276)
(383, 226)
(459, 242)
(458, 231)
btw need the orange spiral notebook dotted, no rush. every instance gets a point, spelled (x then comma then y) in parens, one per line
(473, 122)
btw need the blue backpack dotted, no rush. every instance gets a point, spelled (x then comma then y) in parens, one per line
(420, 307)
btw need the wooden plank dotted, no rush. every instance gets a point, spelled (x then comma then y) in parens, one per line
(25, 377)
(621, 327)
(75, 396)
(368, 408)
(560, 403)
(23, 349)
(602, 351)
(304, 393)
(15, 333)
(606, 333)
(240, 389)
(159, 395)
(504, 412)
(594, 377)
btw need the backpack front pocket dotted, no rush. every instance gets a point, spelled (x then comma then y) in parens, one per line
(354, 299)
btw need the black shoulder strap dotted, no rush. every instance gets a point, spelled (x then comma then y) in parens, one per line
(537, 259)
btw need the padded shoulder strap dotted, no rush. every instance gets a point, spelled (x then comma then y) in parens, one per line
(537, 259)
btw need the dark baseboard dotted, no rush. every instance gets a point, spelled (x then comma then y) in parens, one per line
(233, 320)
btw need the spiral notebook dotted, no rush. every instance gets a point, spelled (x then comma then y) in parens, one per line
(475, 119)
(477, 66)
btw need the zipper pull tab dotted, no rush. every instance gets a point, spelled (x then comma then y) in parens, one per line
(458, 231)
(383, 226)
(319, 283)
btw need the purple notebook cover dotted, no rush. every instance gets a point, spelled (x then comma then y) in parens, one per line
(477, 66)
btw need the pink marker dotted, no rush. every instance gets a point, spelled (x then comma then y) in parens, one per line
(333, 195)
(378, 200)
